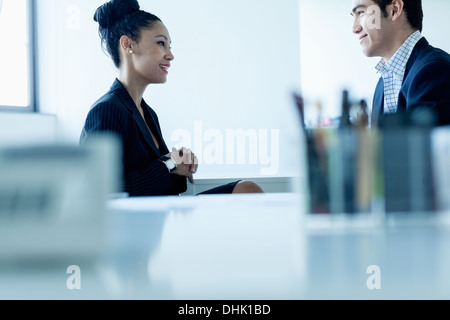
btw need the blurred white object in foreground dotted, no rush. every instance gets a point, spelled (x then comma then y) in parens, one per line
(53, 200)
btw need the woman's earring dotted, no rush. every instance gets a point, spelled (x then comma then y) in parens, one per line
(131, 51)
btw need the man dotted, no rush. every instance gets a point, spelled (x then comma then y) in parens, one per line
(414, 75)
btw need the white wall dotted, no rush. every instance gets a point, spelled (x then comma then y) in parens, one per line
(236, 63)
(71, 65)
(332, 59)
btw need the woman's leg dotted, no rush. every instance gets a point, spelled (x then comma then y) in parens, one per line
(247, 187)
(235, 187)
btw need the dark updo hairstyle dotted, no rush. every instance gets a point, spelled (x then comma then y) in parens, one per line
(117, 18)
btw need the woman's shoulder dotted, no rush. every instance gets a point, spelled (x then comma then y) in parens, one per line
(109, 102)
(107, 99)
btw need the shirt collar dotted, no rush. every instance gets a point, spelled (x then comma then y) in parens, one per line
(397, 64)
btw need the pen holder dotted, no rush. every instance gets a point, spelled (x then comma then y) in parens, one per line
(440, 142)
(342, 170)
(399, 169)
(407, 164)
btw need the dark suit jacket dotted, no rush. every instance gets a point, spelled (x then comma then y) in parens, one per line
(426, 85)
(143, 173)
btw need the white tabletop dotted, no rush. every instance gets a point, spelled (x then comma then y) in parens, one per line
(249, 247)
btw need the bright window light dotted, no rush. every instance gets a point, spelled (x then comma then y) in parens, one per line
(15, 63)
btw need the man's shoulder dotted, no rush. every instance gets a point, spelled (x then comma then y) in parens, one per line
(426, 59)
(426, 53)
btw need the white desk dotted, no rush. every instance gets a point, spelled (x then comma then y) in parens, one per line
(249, 247)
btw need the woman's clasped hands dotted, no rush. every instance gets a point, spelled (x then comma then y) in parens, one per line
(187, 162)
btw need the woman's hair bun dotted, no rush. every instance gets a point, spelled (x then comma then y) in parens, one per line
(113, 11)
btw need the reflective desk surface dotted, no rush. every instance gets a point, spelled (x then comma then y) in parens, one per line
(249, 247)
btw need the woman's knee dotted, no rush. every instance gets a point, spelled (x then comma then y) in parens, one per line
(247, 187)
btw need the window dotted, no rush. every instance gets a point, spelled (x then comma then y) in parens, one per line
(17, 85)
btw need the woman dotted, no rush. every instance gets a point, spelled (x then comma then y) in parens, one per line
(139, 45)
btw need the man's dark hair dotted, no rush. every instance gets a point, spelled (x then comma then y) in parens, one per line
(413, 9)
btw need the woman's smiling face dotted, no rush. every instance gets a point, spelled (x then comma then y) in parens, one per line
(152, 54)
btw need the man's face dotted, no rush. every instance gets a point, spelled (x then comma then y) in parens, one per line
(372, 28)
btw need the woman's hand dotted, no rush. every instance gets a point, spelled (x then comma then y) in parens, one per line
(186, 161)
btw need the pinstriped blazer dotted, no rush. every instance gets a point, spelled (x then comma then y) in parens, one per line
(143, 173)
(426, 85)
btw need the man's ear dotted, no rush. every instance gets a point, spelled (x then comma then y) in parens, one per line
(397, 9)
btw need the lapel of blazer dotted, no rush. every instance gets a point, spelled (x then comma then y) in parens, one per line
(154, 125)
(420, 45)
(414, 55)
(129, 104)
(378, 104)
(378, 101)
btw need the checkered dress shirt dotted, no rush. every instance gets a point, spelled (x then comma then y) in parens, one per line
(393, 72)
